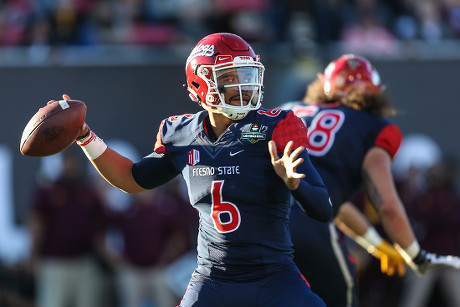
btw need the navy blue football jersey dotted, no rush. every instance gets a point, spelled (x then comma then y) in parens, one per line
(243, 205)
(338, 139)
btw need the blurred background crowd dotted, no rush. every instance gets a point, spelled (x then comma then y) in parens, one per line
(371, 25)
(92, 245)
(104, 231)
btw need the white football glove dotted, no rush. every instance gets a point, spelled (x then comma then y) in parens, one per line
(425, 261)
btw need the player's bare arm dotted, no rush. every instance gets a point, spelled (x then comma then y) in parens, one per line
(355, 225)
(113, 167)
(382, 194)
(116, 170)
(377, 166)
(351, 221)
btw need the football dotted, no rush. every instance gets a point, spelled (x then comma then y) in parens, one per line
(53, 128)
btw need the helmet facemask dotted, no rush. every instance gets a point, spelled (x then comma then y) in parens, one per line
(234, 88)
(225, 76)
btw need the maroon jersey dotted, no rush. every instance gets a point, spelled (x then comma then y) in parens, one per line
(73, 214)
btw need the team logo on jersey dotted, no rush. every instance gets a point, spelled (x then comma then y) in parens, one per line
(255, 134)
(193, 157)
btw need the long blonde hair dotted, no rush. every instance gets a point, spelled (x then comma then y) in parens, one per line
(377, 104)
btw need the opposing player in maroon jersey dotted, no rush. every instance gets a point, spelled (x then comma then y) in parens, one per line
(351, 143)
(228, 155)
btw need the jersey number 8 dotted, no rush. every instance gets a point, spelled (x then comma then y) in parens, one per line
(321, 133)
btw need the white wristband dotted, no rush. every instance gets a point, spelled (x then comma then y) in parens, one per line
(92, 145)
(370, 239)
(410, 252)
(413, 250)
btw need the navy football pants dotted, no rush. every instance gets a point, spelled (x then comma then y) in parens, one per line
(321, 255)
(285, 288)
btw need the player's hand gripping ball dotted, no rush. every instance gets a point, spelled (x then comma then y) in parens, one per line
(53, 128)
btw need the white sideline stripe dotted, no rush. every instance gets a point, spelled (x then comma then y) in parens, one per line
(342, 263)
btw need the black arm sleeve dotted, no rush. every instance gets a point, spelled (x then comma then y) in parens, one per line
(154, 170)
(312, 195)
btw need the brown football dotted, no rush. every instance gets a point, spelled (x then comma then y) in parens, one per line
(53, 128)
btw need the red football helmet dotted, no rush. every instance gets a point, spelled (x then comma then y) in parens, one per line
(350, 72)
(224, 75)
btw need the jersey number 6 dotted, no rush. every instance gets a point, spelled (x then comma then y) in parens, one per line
(221, 210)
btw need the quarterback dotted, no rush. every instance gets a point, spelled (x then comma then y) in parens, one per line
(241, 164)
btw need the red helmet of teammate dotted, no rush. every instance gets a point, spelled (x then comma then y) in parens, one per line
(224, 75)
(350, 72)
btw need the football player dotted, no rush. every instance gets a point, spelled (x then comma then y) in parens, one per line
(351, 142)
(241, 163)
